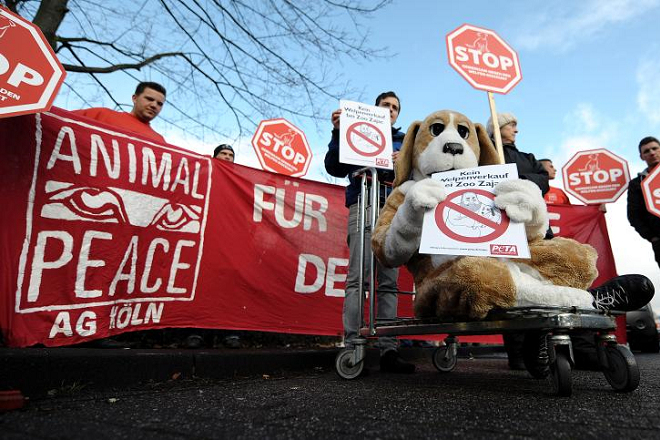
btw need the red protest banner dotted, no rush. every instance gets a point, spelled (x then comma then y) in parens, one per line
(109, 233)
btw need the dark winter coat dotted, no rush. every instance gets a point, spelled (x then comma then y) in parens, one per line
(528, 167)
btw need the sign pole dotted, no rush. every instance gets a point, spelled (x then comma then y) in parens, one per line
(496, 127)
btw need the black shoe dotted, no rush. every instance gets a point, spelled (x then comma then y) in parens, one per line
(623, 293)
(391, 362)
(232, 341)
(108, 343)
(535, 354)
(194, 341)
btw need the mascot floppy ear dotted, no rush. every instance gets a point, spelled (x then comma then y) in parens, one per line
(487, 151)
(404, 165)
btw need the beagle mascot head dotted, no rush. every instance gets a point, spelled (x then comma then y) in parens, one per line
(445, 140)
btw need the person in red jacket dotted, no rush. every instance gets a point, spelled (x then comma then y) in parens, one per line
(555, 196)
(148, 101)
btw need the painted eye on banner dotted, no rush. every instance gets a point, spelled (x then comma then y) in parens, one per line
(178, 218)
(87, 203)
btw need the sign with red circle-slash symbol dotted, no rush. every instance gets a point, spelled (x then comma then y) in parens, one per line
(470, 216)
(365, 139)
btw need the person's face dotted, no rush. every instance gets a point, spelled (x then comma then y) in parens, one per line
(227, 155)
(393, 104)
(650, 153)
(550, 168)
(148, 104)
(509, 132)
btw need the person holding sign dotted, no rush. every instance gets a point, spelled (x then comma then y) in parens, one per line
(390, 359)
(646, 224)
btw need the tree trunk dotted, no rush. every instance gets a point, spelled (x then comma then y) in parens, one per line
(49, 17)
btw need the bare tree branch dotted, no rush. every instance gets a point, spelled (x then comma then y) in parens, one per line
(227, 64)
(116, 67)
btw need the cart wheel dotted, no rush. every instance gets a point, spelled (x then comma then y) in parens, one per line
(622, 371)
(560, 375)
(444, 359)
(344, 365)
(535, 354)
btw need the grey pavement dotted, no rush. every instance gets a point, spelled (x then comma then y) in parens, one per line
(481, 398)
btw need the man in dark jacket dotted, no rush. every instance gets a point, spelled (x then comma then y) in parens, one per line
(645, 223)
(387, 277)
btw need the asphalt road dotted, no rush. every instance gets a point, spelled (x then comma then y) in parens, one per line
(481, 398)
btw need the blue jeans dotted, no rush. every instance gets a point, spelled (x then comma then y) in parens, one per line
(386, 280)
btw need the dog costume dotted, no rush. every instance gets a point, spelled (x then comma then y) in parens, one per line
(557, 274)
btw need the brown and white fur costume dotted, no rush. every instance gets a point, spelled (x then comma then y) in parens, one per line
(557, 273)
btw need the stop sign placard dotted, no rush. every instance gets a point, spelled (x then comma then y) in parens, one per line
(30, 74)
(651, 191)
(484, 59)
(596, 176)
(282, 147)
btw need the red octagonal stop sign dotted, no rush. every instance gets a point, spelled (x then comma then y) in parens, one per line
(282, 148)
(651, 191)
(484, 59)
(596, 176)
(30, 74)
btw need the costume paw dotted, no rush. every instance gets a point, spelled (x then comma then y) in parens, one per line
(522, 201)
(426, 194)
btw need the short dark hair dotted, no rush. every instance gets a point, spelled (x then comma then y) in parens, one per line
(151, 85)
(545, 160)
(389, 94)
(647, 140)
(221, 147)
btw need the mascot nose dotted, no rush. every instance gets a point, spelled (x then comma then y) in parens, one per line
(452, 148)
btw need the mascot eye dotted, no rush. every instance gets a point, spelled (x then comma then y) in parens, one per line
(436, 129)
(463, 131)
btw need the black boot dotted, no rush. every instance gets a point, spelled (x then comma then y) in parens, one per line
(391, 362)
(624, 293)
(535, 354)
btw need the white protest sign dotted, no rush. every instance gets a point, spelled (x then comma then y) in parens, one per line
(365, 135)
(468, 222)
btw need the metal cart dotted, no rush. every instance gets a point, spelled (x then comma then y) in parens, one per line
(550, 324)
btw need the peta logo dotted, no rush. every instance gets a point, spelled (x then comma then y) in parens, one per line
(503, 249)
